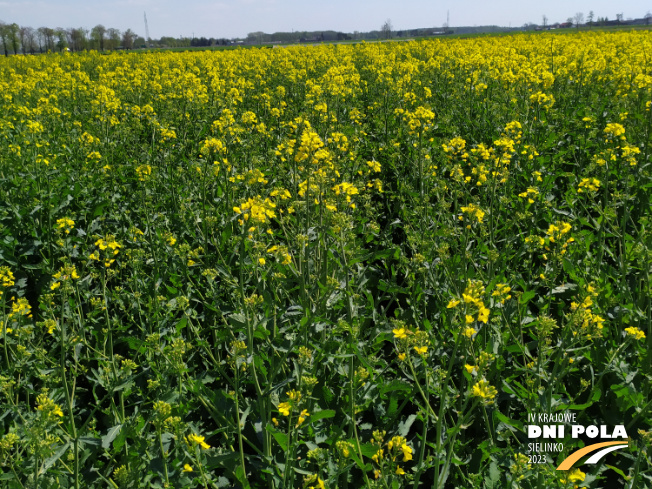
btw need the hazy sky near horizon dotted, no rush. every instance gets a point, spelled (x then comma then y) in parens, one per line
(236, 18)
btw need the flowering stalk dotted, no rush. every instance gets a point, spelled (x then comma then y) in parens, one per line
(440, 418)
(353, 422)
(69, 395)
(237, 419)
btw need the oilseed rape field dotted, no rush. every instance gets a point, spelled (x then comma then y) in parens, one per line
(333, 266)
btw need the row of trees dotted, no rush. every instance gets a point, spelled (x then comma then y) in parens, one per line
(202, 42)
(16, 39)
(260, 37)
(591, 20)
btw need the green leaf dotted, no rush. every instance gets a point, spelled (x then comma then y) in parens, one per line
(526, 297)
(404, 427)
(562, 289)
(238, 318)
(393, 406)
(367, 449)
(395, 385)
(99, 209)
(110, 436)
(181, 324)
(281, 438)
(242, 477)
(49, 462)
(509, 422)
(323, 414)
(226, 460)
(619, 472)
(90, 440)
(492, 481)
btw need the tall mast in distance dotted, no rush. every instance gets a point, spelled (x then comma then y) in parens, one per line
(147, 39)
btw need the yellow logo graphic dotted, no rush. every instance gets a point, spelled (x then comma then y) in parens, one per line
(607, 447)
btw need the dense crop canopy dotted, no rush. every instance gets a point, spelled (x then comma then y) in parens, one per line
(327, 266)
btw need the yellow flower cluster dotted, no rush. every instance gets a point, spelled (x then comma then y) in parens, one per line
(281, 253)
(513, 130)
(196, 440)
(455, 147)
(294, 398)
(7, 278)
(144, 172)
(520, 466)
(529, 194)
(543, 100)
(417, 341)
(108, 247)
(474, 307)
(66, 224)
(8, 441)
(310, 480)
(347, 189)
(311, 143)
(584, 322)
(473, 210)
(635, 333)
(65, 274)
(482, 363)
(418, 121)
(484, 391)
(212, 146)
(20, 307)
(257, 210)
(614, 131)
(398, 446)
(501, 293)
(48, 408)
(556, 233)
(573, 477)
(588, 184)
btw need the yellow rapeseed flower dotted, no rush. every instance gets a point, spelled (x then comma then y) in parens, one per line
(483, 390)
(284, 408)
(635, 333)
(198, 440)
(400, 333)
(421, 350)
(302, 417)
(469, 332)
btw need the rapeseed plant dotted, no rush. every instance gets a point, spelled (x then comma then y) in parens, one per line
(281, 268)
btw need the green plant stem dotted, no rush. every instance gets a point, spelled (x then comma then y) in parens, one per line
(69, 395)
(237, 421)
(163, 455)
(353, 421)
(442, 406)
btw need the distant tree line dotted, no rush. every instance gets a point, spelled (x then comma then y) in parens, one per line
(296, 36)
(27, 40)
(591, 21)
(203, 42)
(15, 39)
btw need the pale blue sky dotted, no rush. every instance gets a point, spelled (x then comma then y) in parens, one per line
(236, 18)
